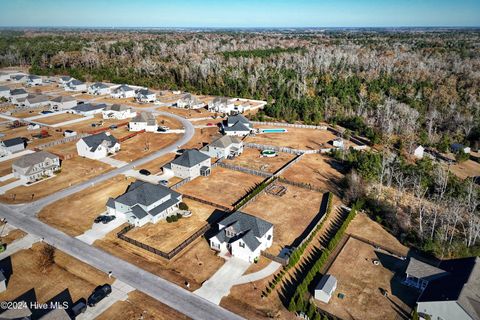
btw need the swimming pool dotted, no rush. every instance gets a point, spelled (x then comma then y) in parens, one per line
(274, 130)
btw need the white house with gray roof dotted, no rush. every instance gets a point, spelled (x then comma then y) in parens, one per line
(35, 166)
(7, 147)
(222, 105)
(62, 103)
(123, 92)
(33, 80)
(145, 96)
(224, 147)
(325, 288)
(75, 85)
(118, 111)
(145, 202)
(63, 80)
(4, 92)
(191, 164)
(98, 146)
(98, 88)
(189, 101)
(237, 125)
(143, 121)
(87, 109)
(36, 101)
(243, 236)
(18, 77)
(17, 94)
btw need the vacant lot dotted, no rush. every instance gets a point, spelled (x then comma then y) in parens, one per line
(144, 144)
(86, 126)
(24, 133)
(77, 277)
(69, 148)
(169, 122)
(155, 166)
(140, 306)
(75, 214)
(188, 113)
(74, 171)
(166, 236)
(59, 118)
(361, 282)
(202, 137)
(290, 214)
(6, 167)
(466, 169)
(223, 186)
(195, 264)
(251, 158)
(319, 171)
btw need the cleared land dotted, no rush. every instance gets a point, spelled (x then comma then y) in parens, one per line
(74, 171)
(6, 167)
(140, 306)
(223, 186)
(169, 122)
(466, 169)
(251, 158)
(188, 113)
(290, 214)
(202, 137)
(59, 118)
(155, 166)
(24, 273)
(75, 214)
(144, 144)
(166, 236)
(362, 283)
(86, 126)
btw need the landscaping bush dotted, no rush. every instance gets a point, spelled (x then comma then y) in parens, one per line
(169, 219)
(183, 206)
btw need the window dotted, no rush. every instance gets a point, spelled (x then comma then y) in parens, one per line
(269, 237)
(241, 244)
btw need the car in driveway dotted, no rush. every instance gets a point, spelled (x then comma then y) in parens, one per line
(98, 294)
(164, 182)
(104, 219)
(145, 172)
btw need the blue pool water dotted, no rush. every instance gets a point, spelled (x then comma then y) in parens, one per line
(274, 130)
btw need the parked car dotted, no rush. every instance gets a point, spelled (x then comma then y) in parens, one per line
(98, 219)
(160, 129)
(98, 294)
(210, 124)
(145, 172)
(46, 112)
(78, 307)
(164, 182)
(107, 219)
(113, 126)
(165, 128)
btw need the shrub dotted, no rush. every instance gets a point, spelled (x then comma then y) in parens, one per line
(179, 216)
(183, 206)
(169, 219)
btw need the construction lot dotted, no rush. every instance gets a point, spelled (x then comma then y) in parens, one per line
(73, 171)
(223, 186)
(166, 236)
(290, 214)
(23, 132)
(144, 144)
(251, 158)
(25, 271)
(59, 118)
(75, 214)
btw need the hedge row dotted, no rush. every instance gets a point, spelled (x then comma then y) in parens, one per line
(253, 192)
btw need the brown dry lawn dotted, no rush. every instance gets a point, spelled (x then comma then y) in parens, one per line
(144, 144)
(77, 277)
(195, 264)
(86, 126)
(24, 133)
(223, 186)
(69, 148)
(12, 236)
(59, 118)
(466, 169)
(169, 122)
(290, 214)
(43, 88)
(360, 281)
(74, 171)
(155, 166)
(318, 170)
(166, 236)
(140, 306)
(6, 167)
(29, 113)
(251, 158)
(75, 214)
(202, 137)
(188, 113)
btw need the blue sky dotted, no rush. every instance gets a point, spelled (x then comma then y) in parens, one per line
(244, 13)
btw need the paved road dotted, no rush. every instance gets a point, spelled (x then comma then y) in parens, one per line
(168, 293)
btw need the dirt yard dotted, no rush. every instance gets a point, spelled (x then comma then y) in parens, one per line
(86, 126)
(23, 268)
(74, 171)
(223, 186)
(466, 169)
(75, 214)
(59, 118)
(362, 282)
(319, 171)
(140, 306)
(251, 158)
(188, 113)
(290, 214)
(12, 236)
(6, 167)
(24, 133)
(169, 122)
(155, 166)
(195, 264)
(202, 137)
(144, 144)
(166, 236)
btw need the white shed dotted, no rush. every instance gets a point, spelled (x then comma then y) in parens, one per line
(325, 288)
(418, 152)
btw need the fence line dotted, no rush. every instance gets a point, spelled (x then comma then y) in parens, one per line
(179, 184)
(300, 185)
(62, 141)
(291, 125)
(254, 172)
(278, 149)
(288, 165)
(213, 204)
(282, 261)
(372, 243)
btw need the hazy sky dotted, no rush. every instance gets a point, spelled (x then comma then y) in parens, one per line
(241, 13)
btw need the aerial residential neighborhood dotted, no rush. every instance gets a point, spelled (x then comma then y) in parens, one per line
(239, 160)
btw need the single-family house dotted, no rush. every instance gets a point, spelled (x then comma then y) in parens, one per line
(33, 126)
(18, 77)
(190, 164)
(33, 80)
(123, 92)
(237, 125)
(63, 80)
(243, 236)
(325, 288)
(418, 273)
(7, 147)
(146, 96)
(63, 103)
(75, 85)
(452, 290)
(17, 94)
(457, 147)
(338, 143)
(36, 101)
(222, 105)
(98, 146)
(143, 121)
(224, 147)
(189, 101)
(4, 92)
(87, 109)
(34, 166)
(145, 202)
(69, 133)
(117, 111)
(98, 88)
(418, 152)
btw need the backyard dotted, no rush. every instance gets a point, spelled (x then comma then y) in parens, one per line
(250, 158)
(59, 118)
(144, 144)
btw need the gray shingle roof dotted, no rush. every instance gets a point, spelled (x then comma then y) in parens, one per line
(237, 127)
(419, 269)
(237, 118)
(66, 78)
(37, 98)
(13, 142)
(327, 283)
(19, 91)
(147, 117)
(98, 139)
(3, 88)
(33, 77)
(220, 100)
(61, 99)
(123, 88)
(225, 142)
(117, 107)
(34, 158)
(138, 212)
(88, 107)
(75, 82)
(145, 193)
(190, 158)
(145, 92)
(99, 85)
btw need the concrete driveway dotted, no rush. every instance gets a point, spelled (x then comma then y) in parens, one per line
(20, 244)
(99, 230)
(113, 162)
(218, 286)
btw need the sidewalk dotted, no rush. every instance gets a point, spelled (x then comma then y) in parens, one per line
(20, 244)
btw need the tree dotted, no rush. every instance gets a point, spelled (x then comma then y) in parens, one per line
(47, 257)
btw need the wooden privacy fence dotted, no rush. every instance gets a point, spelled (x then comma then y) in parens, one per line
(61, 141)
(179, 184)
(282, 261)
(291, 125)
(288, 165)
(213, 204)
(279, 149)
(300, 185)
(131, 135)
(244, 170)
